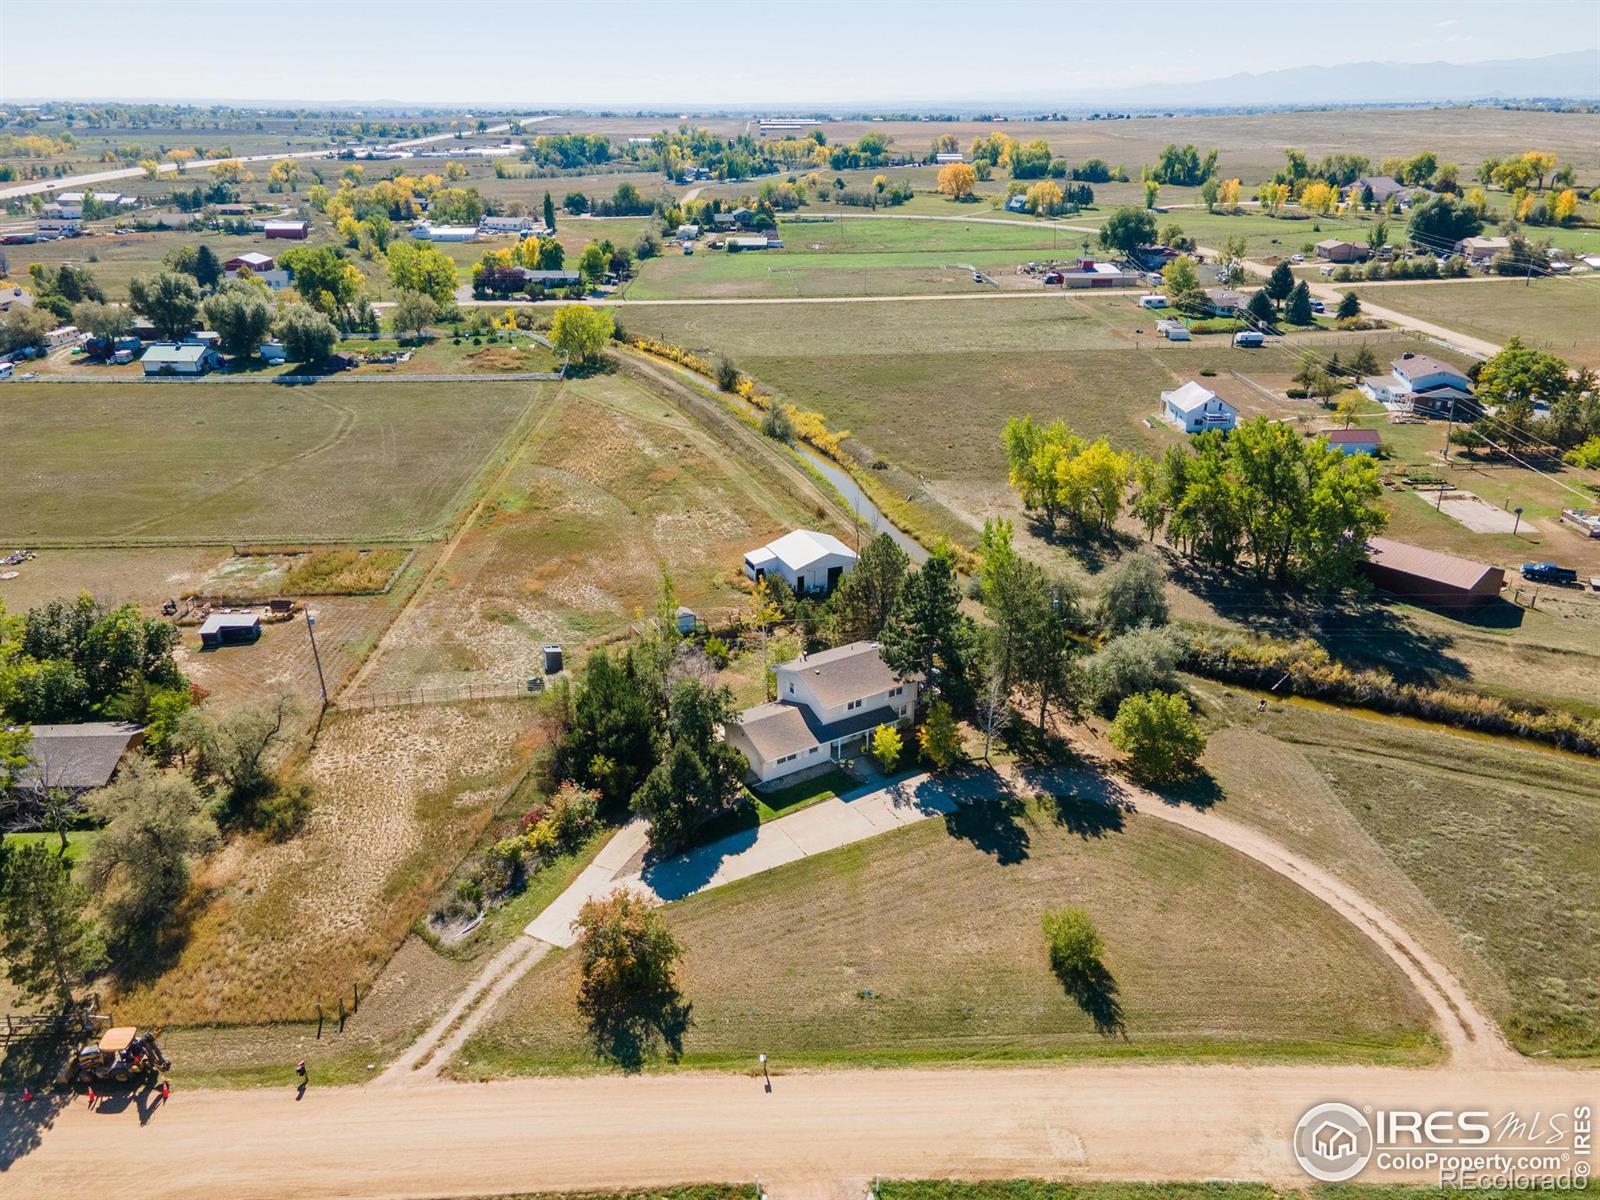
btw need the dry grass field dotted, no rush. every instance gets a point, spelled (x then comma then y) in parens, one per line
(1558, 315)
(400, 796)
(924, 945)
(612, 485)
(185, 462)
(1489, 851)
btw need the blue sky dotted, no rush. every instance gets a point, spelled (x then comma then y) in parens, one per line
(625, 54)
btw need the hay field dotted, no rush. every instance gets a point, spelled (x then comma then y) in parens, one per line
(181, 463)
(613, 484)
(924, 945)
(1558, 315)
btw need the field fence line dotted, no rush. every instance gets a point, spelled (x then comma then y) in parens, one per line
(443, 694)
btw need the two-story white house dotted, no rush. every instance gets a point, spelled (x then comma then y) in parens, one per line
(827, 708)
(1193, 408)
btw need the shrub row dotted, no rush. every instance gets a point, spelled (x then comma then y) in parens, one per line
(1263, 662)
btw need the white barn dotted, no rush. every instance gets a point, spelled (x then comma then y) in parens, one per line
(808, 561)
(828, 706)
(1193, 408)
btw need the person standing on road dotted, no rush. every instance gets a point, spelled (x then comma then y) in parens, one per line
(91, 1097)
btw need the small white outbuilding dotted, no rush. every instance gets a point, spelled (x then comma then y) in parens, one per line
(808, 561)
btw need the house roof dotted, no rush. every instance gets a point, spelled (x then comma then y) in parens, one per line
(1423, 364)
(845, 673)
(799, 549)
(284, 225)
(775, 730)
(1330, 243)
(253, 259)
(1485, 243)
(1382, 186)
(1191, 397)
(1225, 297)
(186, 352)
(77, 756)
(1444, 569)
(1351, 437)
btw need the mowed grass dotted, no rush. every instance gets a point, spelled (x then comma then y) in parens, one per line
(1488, 850)
(273, 929)
(855, 256)
(924, 945)
(1558, 315)
(929, 385)
(613, 485)
(195, 462)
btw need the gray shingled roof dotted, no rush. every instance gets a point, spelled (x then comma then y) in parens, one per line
(845, 673)
(77, 756)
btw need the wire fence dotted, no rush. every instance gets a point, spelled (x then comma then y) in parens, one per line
(444, 694)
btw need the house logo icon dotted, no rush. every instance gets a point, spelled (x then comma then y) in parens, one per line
(1333, 1142)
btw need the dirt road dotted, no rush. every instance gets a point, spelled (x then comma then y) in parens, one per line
(813, 1134)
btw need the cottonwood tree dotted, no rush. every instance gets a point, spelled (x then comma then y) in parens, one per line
(241, 314)
(47, 943)
(308, 336)
(958, 180)
(1140, 660)
(230, 753)
(1127, 229)
(1158, 732)
(168, 300)
(582, 332)
(413, 313)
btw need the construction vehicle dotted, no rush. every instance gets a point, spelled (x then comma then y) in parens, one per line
(122, 1055)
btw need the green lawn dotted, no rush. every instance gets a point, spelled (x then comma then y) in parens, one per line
(924, 946)
(176, 462)
(78, 841)
(772, 803)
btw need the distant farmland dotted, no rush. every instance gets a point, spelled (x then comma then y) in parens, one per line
(187, 462)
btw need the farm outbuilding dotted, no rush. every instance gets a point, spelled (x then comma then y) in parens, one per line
(806, 560)
(1336, 250)
(293, 230)
(230, 629)
(1430, 576)
(1353, 441)
(187, 358)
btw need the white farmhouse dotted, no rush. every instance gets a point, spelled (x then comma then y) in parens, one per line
(1193, 408)
(806, 560)
(827, 708)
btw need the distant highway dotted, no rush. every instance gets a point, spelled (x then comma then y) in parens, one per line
(69, 182)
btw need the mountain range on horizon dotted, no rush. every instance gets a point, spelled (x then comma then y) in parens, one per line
(1574, 75)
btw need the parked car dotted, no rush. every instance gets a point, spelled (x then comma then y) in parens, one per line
(1318, 306)
(1297, 258)
(1548, 572)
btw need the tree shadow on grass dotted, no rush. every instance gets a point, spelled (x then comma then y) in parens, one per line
(150, 951)
(1199, 790)
(1088, 816)
(995, 825)
(642, 1029)
(1094, 989)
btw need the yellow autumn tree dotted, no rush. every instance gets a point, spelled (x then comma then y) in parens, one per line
(1566, 205)
(958, 180)
(1319, 197)
(1542, 162)
(1044, 198)
(1228, 193)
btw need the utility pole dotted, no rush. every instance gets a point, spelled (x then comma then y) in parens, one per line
(322, 683)
(1449, 425)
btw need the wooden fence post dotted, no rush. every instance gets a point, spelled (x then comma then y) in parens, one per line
(341, 1014)
(355, 989)
(319, 1022)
